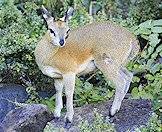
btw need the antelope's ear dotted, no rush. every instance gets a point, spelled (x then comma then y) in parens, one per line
(68, 14)
(47, 15)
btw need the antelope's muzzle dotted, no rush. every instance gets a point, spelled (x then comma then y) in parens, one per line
(61, 42)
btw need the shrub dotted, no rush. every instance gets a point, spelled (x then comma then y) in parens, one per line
(20, 30)
(142, 10)
(133, 12)
(86, 92)
(147, 82)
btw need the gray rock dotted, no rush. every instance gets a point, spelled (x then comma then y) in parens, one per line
(1, 128)
(29, 118)
(133, 114)
(10, 93)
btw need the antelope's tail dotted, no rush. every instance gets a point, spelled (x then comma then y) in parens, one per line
(135, 48)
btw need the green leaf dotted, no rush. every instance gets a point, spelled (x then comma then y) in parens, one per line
(156, 29)
(136, 79)
(154, 55)
(143, 31)
(150, 63)
(135, 93)
(159, 48)
(149, 77)
(134, 28)
(157, 22)
(146, 24)
(145, 36)
(160, 54)
(143, 94)
(144, 54)
(153, 39)
(88, 86)
(150, 50)
(155, 68)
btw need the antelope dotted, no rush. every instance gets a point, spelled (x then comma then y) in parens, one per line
(62, 54)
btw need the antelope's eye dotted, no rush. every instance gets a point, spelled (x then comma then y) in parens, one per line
(52, 31)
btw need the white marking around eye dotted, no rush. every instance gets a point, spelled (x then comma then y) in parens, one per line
(55, 40)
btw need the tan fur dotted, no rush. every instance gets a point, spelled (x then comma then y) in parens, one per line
(60, 24)
(91, 41)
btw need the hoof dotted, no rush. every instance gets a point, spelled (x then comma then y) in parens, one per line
(67, 124)
(113, 112)
(110, 115)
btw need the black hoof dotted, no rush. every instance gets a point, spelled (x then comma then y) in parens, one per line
(67, 124)
(110, 115)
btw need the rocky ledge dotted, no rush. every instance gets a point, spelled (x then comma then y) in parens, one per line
(132, 114)
(34, 117)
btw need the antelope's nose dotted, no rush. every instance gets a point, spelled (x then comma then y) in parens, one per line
(61, 42)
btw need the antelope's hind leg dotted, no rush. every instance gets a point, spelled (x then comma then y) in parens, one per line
(121, 78)
(123, 81)
(59, 104)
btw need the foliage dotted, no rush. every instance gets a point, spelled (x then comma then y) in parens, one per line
(54, 6)
(33, 95)
(50, 102)
(35, 98)
(20, 30)
(154, 125)
(142, 10)
(81, 17)
(149, 64)
(133, 12)
(86, 93)
(98, 125)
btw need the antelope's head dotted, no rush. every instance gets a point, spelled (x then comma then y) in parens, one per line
(59, 30)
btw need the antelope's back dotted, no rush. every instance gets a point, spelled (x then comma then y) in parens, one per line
(117, 42)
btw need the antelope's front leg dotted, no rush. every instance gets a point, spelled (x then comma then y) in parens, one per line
(59, 104)
(69, 83)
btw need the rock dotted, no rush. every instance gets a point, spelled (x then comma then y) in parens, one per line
(133, 114)
(10, 93)
(29, 118)
(1, 128)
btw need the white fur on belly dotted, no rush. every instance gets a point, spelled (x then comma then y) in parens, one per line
(87, 66)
